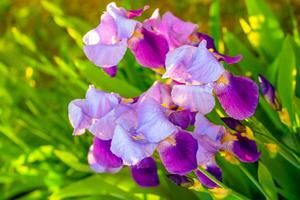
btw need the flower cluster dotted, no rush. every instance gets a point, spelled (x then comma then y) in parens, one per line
(169, 118)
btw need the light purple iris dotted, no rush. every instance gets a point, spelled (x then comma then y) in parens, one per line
(97, 107)
(106, 44)
(269, 92)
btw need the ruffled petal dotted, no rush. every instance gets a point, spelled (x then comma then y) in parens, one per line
(183, 118)
(99, 103)
(153, 124)
(125, 26)
(178, 154)
(159, 92)
(193, 65)
(145, 173)
(175, 30)
(194, 97)
(213, 170)
(150, 50)
(245, 149)
(105, 55)
(78, 118)
(101, 159)
(129, 147)
(238, 95)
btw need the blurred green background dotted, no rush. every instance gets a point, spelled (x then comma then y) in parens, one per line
(43, 67)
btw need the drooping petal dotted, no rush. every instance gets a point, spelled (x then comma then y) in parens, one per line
(175, 30)
(159, 92)
(129, 147)
(213, 170)
(234, 124)
(194, 97)
(153, 123)
(101, 159)
(125, 26)
(99, 103)
(182, 181)
(78, 118)
(105, 55)
(269, 92)
(150, 50)
(111, 71)
(193, 65)
(238, 95)
(145, 173)
(219, 56)
(178, 154)
(183, 118)
(245, 149)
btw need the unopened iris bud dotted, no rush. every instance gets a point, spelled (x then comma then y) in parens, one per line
(269, 92)
(234, 124)
(182, 181)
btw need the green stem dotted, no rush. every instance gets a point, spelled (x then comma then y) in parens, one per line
(221, 185)
(253, 180)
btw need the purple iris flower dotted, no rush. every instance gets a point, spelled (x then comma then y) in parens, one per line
(178, 153)
(219, 56)
(145, 173)
(97, 107)
(245, 149)
(213, 170)
(269, 92)
(106, 44)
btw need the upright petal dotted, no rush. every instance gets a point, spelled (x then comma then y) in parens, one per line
(136, 13)
(153, 124)
(151, 49)
(145, 173)
(78, 118)
(196, 98)
(105, 55)
(193, 65)
(107, 29)
(159, 92)
(99, 103)
(183, 118)
(238, 95)
(125, 26)
(178, 154)
(130, 148)
(245, 149)
(175, 30)
(213, 170)
(101, 159)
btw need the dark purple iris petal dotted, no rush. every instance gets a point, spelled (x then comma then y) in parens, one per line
(111, 71)
(213, 170)
(269, 92)
(145, 173)
(150, 51)
(183, 118)
(245, 149)
(179, 156)
(219, 56)
(238, 96)
(104, 156)
(183, 181)
(234, 124)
